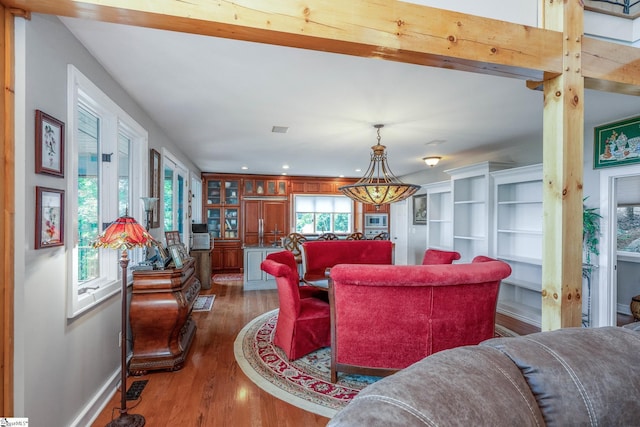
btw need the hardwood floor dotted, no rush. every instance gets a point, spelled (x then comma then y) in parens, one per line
(211, 390)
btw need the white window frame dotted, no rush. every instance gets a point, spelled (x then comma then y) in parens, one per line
(113, 120)
(297, 197)
(169, 160)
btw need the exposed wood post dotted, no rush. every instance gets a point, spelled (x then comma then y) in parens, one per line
(563, 155)
(7, 208)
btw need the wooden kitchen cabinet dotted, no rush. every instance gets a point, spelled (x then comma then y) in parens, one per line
(223, 215)
(271, 215)
(226, 257)
(264, 186)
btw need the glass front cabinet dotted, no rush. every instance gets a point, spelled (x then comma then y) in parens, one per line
(222, 213)
(222, 208)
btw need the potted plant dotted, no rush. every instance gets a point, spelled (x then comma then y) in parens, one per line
(590, 231)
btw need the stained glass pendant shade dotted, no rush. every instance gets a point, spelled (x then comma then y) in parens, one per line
(379, 185)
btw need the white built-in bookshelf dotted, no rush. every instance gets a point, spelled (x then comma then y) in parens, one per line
(518, 240)
(439, 216)
(472, 193)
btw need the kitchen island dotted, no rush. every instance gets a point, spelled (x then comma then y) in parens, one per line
(254, 278)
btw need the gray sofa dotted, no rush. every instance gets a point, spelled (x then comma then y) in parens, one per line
(568, 377)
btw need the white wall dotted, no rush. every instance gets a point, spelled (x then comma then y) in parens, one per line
(61, 364)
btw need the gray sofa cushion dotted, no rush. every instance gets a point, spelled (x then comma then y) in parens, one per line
(580, 377)
(467, 386)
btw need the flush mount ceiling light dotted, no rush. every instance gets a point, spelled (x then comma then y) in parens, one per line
(431, 161)
(379, 185)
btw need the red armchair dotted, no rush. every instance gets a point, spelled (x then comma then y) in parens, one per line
(436, 256)
(387, 317)
(303, 322)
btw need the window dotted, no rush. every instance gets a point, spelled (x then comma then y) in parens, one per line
(103, 143)
(628, 214)
(323, 214)
(175, 194)
(628, 218)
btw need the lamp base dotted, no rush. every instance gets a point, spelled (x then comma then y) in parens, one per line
(129, 420)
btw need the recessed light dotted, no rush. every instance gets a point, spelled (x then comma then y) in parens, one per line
(358, 170)
(340, 176)
(280, 129)
(284, 173)
(244, 168)
(285, 166)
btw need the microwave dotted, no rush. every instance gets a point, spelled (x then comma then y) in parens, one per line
(376, 220)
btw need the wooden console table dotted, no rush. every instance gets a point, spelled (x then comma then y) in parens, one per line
(160, 316)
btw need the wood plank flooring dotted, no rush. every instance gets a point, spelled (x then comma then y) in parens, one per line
(211, 390)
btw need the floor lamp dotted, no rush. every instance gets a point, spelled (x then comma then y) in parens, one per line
(124, 234)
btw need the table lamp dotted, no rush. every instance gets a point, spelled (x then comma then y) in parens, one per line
(124, 233)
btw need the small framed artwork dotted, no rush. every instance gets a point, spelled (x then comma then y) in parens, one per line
(154, 182)
(176, 256)
(420, 209)
(617, 144)
(49, 217)
(49, 145)
(172, 237)
(183, 251)
(160, 256)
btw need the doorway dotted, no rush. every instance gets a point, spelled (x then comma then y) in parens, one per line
(619, 259)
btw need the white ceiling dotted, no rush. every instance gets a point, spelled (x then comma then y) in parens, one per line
(219, 99)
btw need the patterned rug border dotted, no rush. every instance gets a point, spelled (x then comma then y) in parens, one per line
(292, 381)
(267, 363)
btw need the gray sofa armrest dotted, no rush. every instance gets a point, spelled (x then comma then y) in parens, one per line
(580, 377)
(466, 386)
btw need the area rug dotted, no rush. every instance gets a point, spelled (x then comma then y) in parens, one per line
(204, 303)
(305, 382)
(230, 277)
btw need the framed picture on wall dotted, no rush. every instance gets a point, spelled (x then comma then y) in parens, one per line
(420, 209)
(49, 145)
(154, 182)
(617, 144)
(49, 217)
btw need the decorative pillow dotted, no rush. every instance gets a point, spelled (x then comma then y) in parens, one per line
(435, 256)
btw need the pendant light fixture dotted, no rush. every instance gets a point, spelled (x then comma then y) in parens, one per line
(379, 185)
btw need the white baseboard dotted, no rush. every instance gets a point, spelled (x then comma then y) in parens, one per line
(94, 407)
(623, 309)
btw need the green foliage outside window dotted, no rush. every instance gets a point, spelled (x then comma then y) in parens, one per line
(168, 208)
(88, 230)
(304, 223)
(342, 223)
(323, 223)
(628, 219)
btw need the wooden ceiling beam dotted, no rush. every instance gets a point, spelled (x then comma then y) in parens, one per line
(386, 29)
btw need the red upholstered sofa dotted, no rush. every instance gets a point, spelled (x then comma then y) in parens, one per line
(386, 317)
(317, 256)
